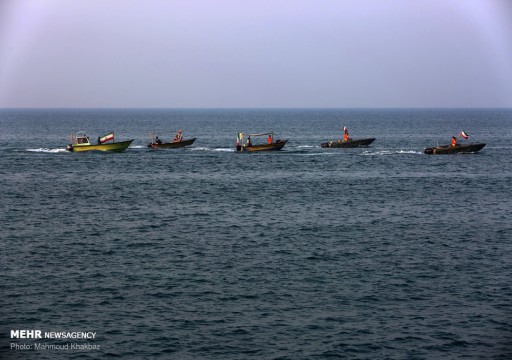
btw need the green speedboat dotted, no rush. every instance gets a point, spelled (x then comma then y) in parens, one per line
(82, 143)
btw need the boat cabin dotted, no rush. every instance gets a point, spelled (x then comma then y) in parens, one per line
(82, 139)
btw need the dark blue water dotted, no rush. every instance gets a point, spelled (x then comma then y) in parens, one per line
(308, 253)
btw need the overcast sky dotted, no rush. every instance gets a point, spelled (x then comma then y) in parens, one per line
(256, 53)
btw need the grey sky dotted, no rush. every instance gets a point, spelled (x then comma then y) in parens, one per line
(256, 53)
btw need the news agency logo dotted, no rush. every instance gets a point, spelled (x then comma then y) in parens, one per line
(39, 334)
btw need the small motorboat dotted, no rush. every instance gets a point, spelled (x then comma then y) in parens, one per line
(171, 144)
(249, 146)
(82, 143)
(352, 143)
(177, 142)
(457, 149)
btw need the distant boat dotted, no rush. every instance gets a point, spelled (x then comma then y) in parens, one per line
(271, 145)
(178, 141)
(172, 145)
(352, 143)
(82, 143)
(457, 149)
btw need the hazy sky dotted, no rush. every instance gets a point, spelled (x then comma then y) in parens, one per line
(255, 53)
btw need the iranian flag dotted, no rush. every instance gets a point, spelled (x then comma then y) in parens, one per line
(106, 138)
(464, 135)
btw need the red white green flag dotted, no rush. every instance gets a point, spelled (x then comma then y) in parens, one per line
(464, 135)
(106, 138)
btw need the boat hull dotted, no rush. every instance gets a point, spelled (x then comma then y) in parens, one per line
(113, 147)
(347, 144)
(278, 145)
(458, 149)
(172, 145)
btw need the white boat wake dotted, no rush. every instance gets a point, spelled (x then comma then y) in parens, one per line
(390, 152)
(45, 150)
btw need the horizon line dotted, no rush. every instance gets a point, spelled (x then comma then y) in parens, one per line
(262, 108)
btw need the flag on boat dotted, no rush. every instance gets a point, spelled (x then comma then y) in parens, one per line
(464, 135)
(344, 129)
(106, 138)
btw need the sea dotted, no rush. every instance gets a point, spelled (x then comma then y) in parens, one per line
(380, 252)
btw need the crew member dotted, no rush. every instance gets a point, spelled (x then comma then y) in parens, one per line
(454, 141)
(345, 135)
(269, 139)
(178, 136)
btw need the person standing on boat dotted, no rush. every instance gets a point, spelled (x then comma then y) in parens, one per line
(269, 139)
(158, 141)
(178, 136)
(345, 134)
(249, 141)
(454, 141)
